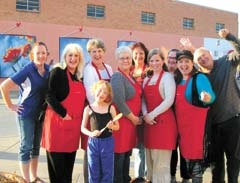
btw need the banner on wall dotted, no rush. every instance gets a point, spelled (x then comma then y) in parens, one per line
(63, 41)
(14, 52)
(125, 43)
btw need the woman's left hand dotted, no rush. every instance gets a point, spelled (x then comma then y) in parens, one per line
(149, 120)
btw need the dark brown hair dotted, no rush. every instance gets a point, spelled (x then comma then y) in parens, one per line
(140, 45)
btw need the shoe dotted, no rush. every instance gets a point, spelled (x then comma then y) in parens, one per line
(139, 180)
(173, 179)
(38, 180)
(148, 181)
(186, 181)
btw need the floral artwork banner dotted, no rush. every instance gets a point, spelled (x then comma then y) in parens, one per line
(14, 53)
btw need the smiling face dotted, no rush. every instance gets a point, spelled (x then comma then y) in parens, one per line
(101, 93)
(185, 66)
(138, 55)
(72, 60)
(204, 59)
(96, 55)
(156, 63)
(171, 61)
(125, 61)
(39, 54)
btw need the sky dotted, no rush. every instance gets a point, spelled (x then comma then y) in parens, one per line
(228, 5)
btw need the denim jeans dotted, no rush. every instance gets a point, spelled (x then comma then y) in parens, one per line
(30, 131)
(139, 160)
(195, 169)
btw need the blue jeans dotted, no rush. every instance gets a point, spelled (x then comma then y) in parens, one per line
(139, 160)
(30, 131)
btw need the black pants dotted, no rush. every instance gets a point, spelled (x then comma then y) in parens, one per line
(183, 166)
(121, 167)
(226, 140)
(60, 166)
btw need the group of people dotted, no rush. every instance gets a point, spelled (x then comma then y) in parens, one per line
(186, 100)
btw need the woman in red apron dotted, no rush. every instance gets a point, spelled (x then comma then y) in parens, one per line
(61, 131)
(160, 130)
(191, 119)
(139, 72)
(94, 71)
(127, 98)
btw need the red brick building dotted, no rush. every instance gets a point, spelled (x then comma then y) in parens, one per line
(156, 23)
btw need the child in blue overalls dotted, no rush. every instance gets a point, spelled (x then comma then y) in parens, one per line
(100, 142)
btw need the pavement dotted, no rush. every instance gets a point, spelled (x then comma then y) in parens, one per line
(9, 144)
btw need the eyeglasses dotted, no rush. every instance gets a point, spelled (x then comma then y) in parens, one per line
(125, 58)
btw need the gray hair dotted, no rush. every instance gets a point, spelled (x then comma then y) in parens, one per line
(123, 49)
(199, 50)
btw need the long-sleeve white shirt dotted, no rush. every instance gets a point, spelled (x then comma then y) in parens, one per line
(90, 76)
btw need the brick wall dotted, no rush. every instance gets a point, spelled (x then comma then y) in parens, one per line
(126, 14)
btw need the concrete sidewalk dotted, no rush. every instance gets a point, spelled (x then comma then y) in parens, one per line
(9, 147)
(9, 144)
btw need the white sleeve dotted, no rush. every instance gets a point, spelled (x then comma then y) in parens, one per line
(144, 107)
(89, 78)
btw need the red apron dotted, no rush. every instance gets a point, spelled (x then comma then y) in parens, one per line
(64, 135)
(125, 139)
(163, 134)
(191, 123)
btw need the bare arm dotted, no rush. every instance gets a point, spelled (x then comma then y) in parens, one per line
(225, 34)
(6, 87)
(85, 121)
(186, 44)
(113, 125)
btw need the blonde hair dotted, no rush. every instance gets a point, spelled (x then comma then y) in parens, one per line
(99, 83)
(98, 43)
(75, 48)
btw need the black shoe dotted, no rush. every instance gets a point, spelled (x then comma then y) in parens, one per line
(138, 180)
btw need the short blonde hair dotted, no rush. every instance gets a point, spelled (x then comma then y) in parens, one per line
(99, 83)
(98, 43)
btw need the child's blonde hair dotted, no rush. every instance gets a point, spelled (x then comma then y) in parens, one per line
(108, 86)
